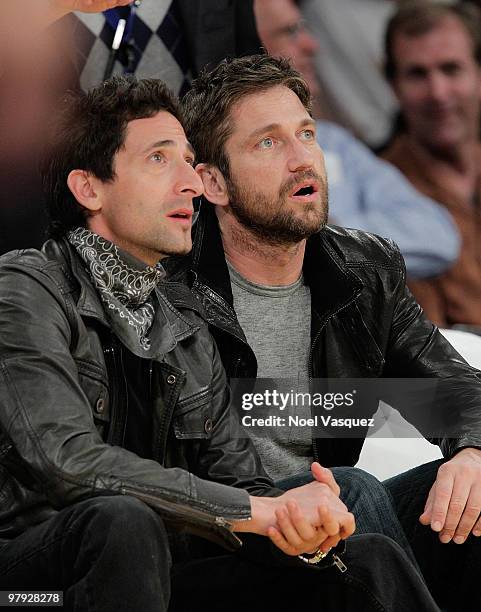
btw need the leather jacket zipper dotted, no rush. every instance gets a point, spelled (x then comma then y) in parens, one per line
(160, 442)
(126, 400)
(115, 371)
(162, 438)
(186, 512)
(109, 352)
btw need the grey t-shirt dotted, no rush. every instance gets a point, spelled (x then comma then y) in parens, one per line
(277, 325)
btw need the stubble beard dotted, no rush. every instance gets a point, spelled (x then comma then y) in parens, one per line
(253, 211)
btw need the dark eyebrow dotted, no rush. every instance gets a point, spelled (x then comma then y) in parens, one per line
(275, 126)
(160, 144)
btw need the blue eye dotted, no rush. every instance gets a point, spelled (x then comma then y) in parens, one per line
(308, 134)
(266, 143)
(157, 157)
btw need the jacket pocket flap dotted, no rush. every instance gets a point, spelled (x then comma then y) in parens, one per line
(186, 404)
(193, 416)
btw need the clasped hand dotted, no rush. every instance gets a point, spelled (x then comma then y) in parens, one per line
(311, 517)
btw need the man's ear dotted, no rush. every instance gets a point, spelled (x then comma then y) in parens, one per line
(215, 188)
(83, 186)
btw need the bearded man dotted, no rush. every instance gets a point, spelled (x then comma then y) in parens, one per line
(288, 296)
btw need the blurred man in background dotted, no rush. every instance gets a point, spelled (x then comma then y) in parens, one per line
(433, 56)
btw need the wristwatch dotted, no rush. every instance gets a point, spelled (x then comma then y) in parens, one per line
(314, 557)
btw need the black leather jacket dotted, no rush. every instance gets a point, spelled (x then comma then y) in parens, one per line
(365, 323)
(63, 406)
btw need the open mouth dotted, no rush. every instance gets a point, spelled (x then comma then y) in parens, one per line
(305, 189)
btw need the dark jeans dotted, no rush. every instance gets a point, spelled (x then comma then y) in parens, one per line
(379, 577)
(451, 570)
(112, 554)
(106, 554)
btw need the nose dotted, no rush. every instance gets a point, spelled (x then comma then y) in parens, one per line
(438, 87)
(188, 181)
(301, 157)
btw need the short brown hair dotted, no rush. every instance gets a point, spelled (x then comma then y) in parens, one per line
(207, 106)
(416, 17)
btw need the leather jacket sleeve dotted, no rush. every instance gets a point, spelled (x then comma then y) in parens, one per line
(47, 425)
(417, 349)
